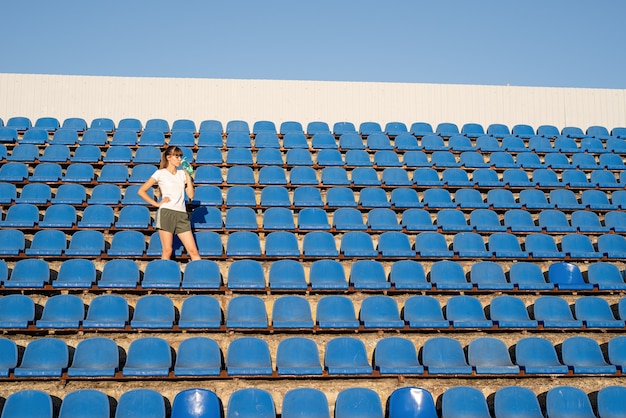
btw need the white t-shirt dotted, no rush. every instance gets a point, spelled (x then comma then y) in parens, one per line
(172, 186)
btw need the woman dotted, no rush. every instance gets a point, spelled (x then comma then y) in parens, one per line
(172, 217)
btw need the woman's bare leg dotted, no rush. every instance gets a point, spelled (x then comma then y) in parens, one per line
(167, 241)
(190, 244)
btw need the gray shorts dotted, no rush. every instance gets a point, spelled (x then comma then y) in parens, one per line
(172, 221)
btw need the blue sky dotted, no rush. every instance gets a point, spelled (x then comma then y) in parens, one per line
(554, 43)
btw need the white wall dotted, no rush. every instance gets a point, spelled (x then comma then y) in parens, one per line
(91, 97)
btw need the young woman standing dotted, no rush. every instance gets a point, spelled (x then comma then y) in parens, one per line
(172, 217)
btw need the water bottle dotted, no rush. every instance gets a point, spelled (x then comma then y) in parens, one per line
(187, 167)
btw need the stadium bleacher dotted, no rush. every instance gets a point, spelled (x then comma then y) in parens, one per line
(350, 270)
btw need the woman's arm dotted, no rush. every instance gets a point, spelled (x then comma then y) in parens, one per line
(143, 192)
(189, 186)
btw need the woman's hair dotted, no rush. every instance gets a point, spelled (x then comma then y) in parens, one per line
(171, 150)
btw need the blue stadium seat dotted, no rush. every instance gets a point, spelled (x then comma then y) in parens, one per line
(43, 357)
(97, 216)
(198, 356)
(555, 312)
(465, 311)
(504, 160)
(296, 141)
(605, 276)
(161, 274)
(579, 246)
(211, 126)
(552, 220)
(246, 311)
(584, 161)
(348, 219)
(444, 159)
(183, 125)
(86, 243)
(236, 218)
(336, 311)
(460, 401)
(432, 244)
(277, 218)
(563, 144)
(316, 127)
(346, 356)
(94, 137)
(489, 355)
(416, 159)
(8, 193)
(510, 312)
(20, 123)
(395, 176)
(196, 402)
(87, 153)
(558, 161)
(46, 172)
(584, 356)
(485, 177)
(16, 311)
(470, 245)
(565, 199)
(616, 351)
(514, 177)
(8, 135)
(463, 144)
(445, 274)
(210, 139)
(59, 216)
(281, 244)
(368, 274)
(182, 139)
(595, 312)
(27, 153)
(339, 197)
(485, 220)
(240, 196)
(298, 157)
(153, 312)
(208, 174)
(488, 275)
(357, 244)
(542, 246)
(335, 176)
(124, 137)
(58, 153)
(424, 311)
(148, 356)
(79, 173)
(351, 141)
(427, 176)
(251, 402)
(302, 175)
(269, 175)
(586, 221)
(200, 311)
(515, 143)
(12, 241)
(528, 276)
(243, 244)
(609, 161)
(537, 355)
(206, 155)
(239, 156)
(443, 355)
(248, 356)
(323, 141)
(75, 273)
(292, 312)
(47, 243)
(396, 355)
(287, 275)
(240, 174)
(206, 217)
(313, 219)
(433, 143)
(394, 244)
(29, 272)
(118, 154)
(135, 217)
(406, 142)
(417, 220)
(329, 157)
(502, 199)
(21, 215)
(95, 357)
(104, 124)
(207, 196)
(534, 199)
(386, 158)
(438, 199)
(266, 139)
(28, 402)
(358, 402)
(305, 401)
(597, 200)
(246, 274)
(568, 401)
(140, 403)
(105, 194)
(8, 356)
(408, 274)
(610, 401)
(456, 177)
(82, 400)
(380, 311)
(411, 402)
(327, 274)
(405, 198)
(319, 244)
(452, 220)
(513, 400)
(107, 311)
(365, 176)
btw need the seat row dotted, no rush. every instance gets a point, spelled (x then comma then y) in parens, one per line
(200, 312)
(311, 197)
(299, 356)
(456, 401)
(323, 275)
(321, 244)
(392, 128)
